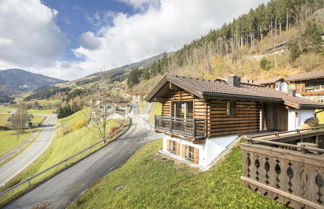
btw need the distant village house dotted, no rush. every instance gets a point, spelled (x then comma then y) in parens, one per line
(309, 85)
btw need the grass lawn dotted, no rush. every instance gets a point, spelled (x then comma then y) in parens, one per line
(5, 109)
(45, 102)
(156, 110)
(148, 180)
(320, 116)
(9, 140)
(38, 119)
(142, 105)
(3, 119)
(45, 111)
(71, 136)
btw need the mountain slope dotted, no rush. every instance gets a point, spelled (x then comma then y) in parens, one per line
(120, 73)
(19, 80)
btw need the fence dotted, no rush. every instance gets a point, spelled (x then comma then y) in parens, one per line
(288, 167)
(64, 162)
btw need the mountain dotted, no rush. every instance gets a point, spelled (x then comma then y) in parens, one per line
(16, 80)
(119, 73)
(276, 39)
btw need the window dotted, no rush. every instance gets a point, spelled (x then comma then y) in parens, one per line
(183, 109)
(173, 146)
(190, 153)
(231, 108)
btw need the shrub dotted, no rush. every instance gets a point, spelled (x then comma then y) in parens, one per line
(311, 122)
(265, 64)
(294, 51)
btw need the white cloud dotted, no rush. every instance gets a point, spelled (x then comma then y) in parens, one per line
(142, 4)
(155, 30)
(89, 41)
(158, 26)
(29, 36)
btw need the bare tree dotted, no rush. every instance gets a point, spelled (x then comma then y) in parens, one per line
(19, 119)
(100, 108)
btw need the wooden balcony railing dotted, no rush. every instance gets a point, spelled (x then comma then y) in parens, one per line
(288, 167)
(317, 88)
(192, 128)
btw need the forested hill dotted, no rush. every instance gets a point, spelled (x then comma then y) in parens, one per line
(247, 46)
(20, 80)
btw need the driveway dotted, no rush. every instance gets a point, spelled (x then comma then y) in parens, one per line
(29, 155)
(62, 189)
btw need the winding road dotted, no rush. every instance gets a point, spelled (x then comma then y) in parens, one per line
(29, 155)
(62, 189)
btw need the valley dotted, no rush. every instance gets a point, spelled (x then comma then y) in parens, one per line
(186, 128)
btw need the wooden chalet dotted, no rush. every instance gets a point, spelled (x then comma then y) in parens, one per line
(200, 118)
(309, 85)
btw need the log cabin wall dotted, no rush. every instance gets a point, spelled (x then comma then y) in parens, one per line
(214, 112)
(246, 120)
(199, 106)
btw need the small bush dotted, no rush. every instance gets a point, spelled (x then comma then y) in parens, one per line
(79, 124)
(311, 122)
(265, 64)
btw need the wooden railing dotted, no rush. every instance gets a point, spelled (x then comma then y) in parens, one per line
(194, 128)
(288, 168)
(317, 88)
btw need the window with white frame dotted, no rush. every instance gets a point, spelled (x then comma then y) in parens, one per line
(173, 146)
(190, 152)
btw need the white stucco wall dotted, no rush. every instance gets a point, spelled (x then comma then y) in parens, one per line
(209, 151)
(281, 86)
(215, 146)
(296, 118)
(186, 142)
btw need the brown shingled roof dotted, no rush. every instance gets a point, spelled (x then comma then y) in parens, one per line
(306, 76)
(208, 88)
(263, 82)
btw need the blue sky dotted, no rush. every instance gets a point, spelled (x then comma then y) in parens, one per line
(69, 39)
(74, 17)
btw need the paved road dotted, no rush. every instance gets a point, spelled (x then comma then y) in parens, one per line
(63, 188)
(29, 155)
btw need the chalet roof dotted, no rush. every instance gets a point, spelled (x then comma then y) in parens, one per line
(273, 80)
(208, 88)
(306, 76)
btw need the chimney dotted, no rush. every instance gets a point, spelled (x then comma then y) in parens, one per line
(234, 81)
(291, 92)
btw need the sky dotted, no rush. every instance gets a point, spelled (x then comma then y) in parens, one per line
(69, 39)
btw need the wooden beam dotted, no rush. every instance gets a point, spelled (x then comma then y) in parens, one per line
(282, 193)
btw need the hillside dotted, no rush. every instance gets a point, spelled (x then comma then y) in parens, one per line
(17, 80)
(117, 74)
(279, 38)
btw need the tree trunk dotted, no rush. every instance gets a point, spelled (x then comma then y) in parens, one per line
(287, 21)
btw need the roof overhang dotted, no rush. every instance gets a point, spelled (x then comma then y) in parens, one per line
(160, 87)
(239, 96)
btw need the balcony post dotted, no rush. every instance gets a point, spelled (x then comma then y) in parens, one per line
(194, 127)
(170, 124)
(155, 121)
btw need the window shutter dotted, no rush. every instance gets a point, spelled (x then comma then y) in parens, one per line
(177, 148)
(183, 154)
(196, 156)
(168, 145)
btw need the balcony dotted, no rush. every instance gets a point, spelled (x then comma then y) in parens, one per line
(188, 128)
(287, 167)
